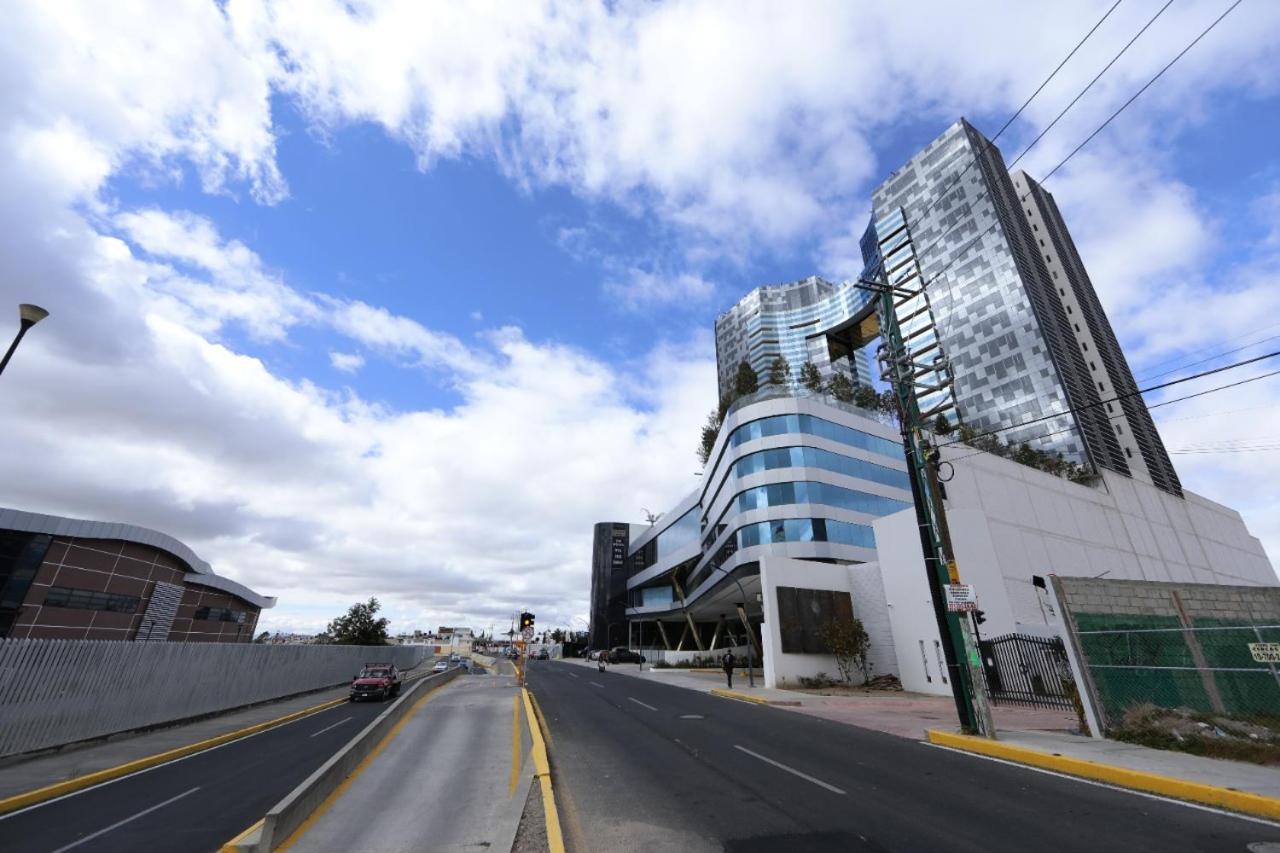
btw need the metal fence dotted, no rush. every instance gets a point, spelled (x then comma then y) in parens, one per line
(1026, 670)
(1211, 674)
(55, 692)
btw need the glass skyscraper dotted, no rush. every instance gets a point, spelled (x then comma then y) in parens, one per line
(1015, 313)
(789, 320)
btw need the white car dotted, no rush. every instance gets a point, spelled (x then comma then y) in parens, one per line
(441, 666)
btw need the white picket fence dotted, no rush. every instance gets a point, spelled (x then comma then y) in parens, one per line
(55, 692)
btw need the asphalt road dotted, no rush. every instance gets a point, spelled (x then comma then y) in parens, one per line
(192, 804)
(451, 779)
(640, 765)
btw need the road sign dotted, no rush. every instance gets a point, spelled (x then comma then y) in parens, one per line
(960, 598)
(1265, 652)
(528, 634)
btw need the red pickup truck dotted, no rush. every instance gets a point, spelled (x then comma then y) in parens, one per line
(376, 681)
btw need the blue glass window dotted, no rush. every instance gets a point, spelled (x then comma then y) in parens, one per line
(684, 531)
(809, 425)
(813, 457)
(804, 491)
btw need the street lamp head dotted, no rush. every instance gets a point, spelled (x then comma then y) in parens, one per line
(29, 314)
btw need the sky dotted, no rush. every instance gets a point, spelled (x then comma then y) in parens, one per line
(399, 298)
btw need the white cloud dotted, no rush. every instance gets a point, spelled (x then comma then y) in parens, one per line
(347, 362)
(740, 129)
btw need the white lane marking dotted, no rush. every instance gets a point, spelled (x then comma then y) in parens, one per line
(642, 704)
(1097, 784)
(791, 770)
(334, 726)
(597, 684)
(574, 675)
(119, 824)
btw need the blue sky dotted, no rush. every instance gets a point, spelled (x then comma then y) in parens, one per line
(402, 298)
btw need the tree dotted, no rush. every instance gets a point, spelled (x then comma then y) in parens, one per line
(746, 381)
(847, 641)
(709, 432)
(779, 371)
(840, 387)
(359, 627)
(865, 397)
(810, 377)
(557, 636)
(941, 425)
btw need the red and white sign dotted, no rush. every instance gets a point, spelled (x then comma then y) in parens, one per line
(961, 598)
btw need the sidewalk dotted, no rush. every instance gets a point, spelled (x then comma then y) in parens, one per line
(894, 712)
(1249, 788)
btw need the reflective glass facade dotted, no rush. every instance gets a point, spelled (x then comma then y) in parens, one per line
(788, 320)
(814, 457)
(1008, 343)
(809, 425)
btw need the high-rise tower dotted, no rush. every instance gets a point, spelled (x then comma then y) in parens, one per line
(1015, 313)
(785, 320)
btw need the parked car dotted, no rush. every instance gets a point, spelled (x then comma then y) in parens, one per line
(622, 654)
(441, 666)
(455, 658)
(376, 681)
(543, 654)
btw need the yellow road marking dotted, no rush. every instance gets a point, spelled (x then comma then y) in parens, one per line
(360, 768)
(230, 846)
(1154, 783)
(744, 697)
(58, 789)
(542, 769)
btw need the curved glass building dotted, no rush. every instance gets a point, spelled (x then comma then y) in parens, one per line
(790, 476)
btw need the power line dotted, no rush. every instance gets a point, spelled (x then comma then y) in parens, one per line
(1140, 391)
(1208, 358)
(1025, 104)
(1159, 73)
(1152, 406)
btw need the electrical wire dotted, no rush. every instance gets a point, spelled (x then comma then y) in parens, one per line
(1207, 358)
(1152, 406)
(1159, 73)
(1140, 391)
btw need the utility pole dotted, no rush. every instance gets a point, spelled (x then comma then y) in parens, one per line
(959, 647)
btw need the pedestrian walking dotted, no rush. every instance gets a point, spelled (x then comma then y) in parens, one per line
(727, 663)
(603, 660)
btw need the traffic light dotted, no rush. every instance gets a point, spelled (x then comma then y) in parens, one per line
(979, 617)
(526, 620)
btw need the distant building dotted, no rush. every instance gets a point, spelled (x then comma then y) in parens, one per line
(64, 578)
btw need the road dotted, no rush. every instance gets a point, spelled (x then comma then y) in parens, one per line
(454, 777)
(640, 765)
(192, 804)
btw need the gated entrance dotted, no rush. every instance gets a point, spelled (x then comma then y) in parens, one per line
(1022, 669)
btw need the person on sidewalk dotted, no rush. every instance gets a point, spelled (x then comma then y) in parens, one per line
(727, 663)
(603, 660)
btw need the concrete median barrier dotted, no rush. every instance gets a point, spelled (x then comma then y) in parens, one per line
(288, 815)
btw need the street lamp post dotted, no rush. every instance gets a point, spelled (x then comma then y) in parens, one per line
(28, 316)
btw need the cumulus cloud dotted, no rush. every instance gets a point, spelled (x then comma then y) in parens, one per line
(740, 129)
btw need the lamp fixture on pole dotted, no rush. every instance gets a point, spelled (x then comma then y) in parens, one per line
(28, 316)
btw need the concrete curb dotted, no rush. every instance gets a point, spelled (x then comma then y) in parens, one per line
(742, 697)
(1152, 783)
(292, 812)
(542, 770)
(58, 789)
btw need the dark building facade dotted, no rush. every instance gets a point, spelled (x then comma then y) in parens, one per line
(609, 547)
(69, 579)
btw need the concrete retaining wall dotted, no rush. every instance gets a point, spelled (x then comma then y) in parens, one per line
(56, 692)
(288, 814)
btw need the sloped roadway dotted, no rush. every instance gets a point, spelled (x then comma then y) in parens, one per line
(193, 804)
(640, 765)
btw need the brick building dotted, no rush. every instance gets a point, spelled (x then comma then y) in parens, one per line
(65, 578)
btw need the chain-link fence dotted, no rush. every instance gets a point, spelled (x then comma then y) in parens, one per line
(1210, 688)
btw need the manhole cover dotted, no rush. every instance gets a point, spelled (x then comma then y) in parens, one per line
(699, 717)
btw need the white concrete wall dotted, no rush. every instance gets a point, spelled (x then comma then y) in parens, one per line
(1010, 522)
(861, 581)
